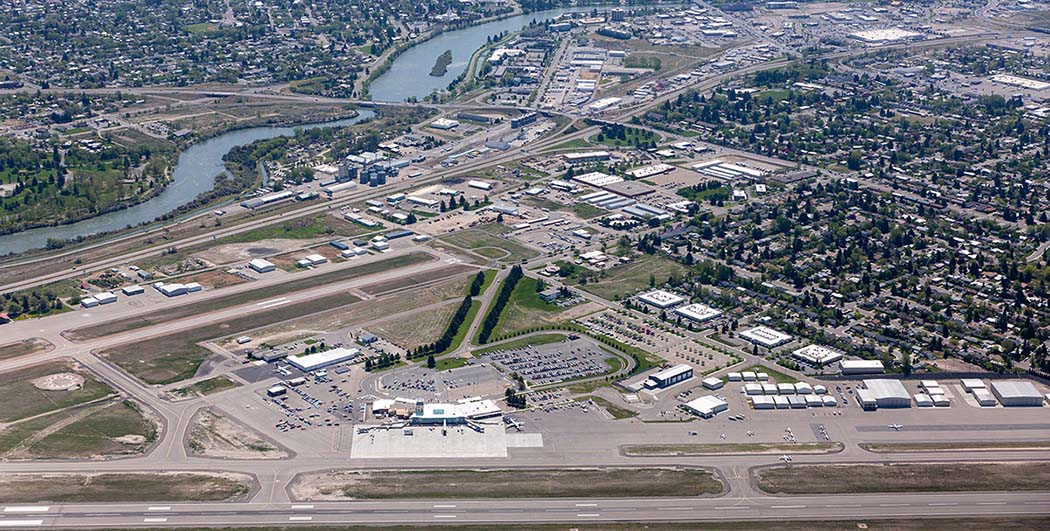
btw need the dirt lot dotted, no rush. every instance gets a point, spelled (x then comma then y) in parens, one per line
(169, 486)
(913, 477)
(465, 484)
(24, 347)
(214, 434)
(213, 279)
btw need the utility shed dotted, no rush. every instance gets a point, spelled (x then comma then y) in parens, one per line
(1016, 393)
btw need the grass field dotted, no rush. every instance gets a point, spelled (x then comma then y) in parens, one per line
(206, 387)
(263, 293)
(22, 348)
(893, 447)
(911, 477)
(490, 275)
(489, 245)
(107, 429)
(658, 450)
(306, 228)
(618, 413)
(541, 339)
(203, 27)
(404, 282)
(174, 357)
(122, 487)
(415, 329)
(587, 211)
(467, 484)
(445, 364)
(627, 279)
(525, 310)
(22, 399)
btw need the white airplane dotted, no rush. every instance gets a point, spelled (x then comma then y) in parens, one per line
(895, 427)
(785, 458)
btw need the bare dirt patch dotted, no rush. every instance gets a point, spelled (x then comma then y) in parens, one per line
(214, 434)
(63, 381)
(240, 252)
(124, 487)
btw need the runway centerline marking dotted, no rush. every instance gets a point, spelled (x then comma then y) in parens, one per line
(944, 504)
(444, 516)
(154, 520)
(444, 506)
(586, 504)
(991, 503)
(587, 515)
(842, 506)
(20, 523)
(27, 509)
(302, 507)
(894, 505)
(263, 303)
(787, 506)
(300, 518)
(731, 507)
(158, 508)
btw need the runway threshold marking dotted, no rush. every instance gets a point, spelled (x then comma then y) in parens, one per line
(300, 518)
(20, 523)
(27, 509)
(154, 520)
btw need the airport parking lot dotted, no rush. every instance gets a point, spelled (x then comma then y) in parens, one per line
(552, 363)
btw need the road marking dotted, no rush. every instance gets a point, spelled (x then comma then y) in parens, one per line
(945, 504)
(263, 303)
(27, 509)
(154, 520)
(842, 506)
(20, 523)
(444, 506)
(991, 503)
(302, 507)
(1037, 503)
(894, 504)
(587, 515)
(300, 518)
(444, 516)
(274, 305)
(586, 504)
(732, 507)
(158, 509)
(787, 506)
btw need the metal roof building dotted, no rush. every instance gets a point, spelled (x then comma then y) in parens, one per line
(883, 393)
(707, 406)
(1016, 393)
(320, 360)
(861, 367)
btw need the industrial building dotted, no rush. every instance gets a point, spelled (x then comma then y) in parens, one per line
(668, 377)
(764, 336)
(320, 360)
(861, 367)
(661, 299)
(261, 266)
(706, 406)
(699, 313)
(883, 393)
(132, 290)
(1016, 393)
(817, 355)
(590, 156)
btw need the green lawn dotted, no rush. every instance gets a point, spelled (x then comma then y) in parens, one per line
(525, 309)
(202, 27)
(490, 245)
(450, 363)
(774, 374)
(587, 210)
(628, 279)
(618, 413)
(22, 399)
(206, 387)
(457, 340)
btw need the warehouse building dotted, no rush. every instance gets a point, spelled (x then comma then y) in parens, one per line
(320, 360)
(699, 313)
(661, 299)
(1016, 393)
(764, 336)
(261, 266)
(817, 355)
(861, 367)
(668, 377)
(713, 383)
(883, 393)
(132, 290)
(983, 397)
(706, 406)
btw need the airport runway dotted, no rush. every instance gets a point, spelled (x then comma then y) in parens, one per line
(855, 507)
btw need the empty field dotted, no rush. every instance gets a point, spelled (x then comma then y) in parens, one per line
(400, 283)
(489, 245)
(618, 413)
(466, 484)
(23, 399)
(166, 359)
(123, 487)
(627, 279)
(107, 429)
(912, 477)
(525, 310)
(411, 330)
(655, 450)
(23, 348)
(215, 434)
(205, 387)
(236, 299)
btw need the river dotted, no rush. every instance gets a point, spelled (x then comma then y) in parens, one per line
(193, 175)
(407, 76)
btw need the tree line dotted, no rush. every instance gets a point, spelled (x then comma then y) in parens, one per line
(492, 318)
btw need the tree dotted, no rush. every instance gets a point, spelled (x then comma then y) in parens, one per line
(431, 362)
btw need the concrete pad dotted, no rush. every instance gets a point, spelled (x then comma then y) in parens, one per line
(460, 442)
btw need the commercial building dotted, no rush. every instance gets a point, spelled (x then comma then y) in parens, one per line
(1016, 393)
(105, 297)
(764, 336)
(276, 391)
(706, 406)
(590, 156)
(261, 266)
(713, 383)
(450, 414)
(661, 299)
(817, 355)
(883, 393)
(132, 290)
(480, 185)
(444, 124)
(861, 367)
(699, 313)
(668, 377)
(320, 360)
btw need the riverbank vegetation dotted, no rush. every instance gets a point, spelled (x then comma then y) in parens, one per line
(441, 64)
